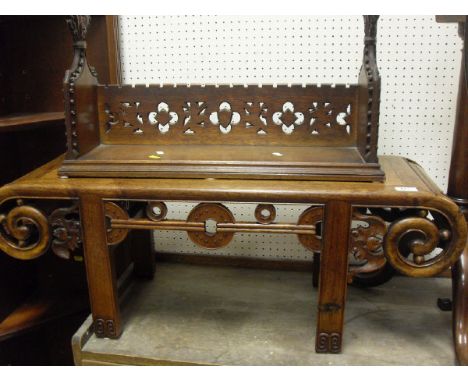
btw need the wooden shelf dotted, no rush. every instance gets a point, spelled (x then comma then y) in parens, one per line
(15, 122)
(39, 309)
(223, 161)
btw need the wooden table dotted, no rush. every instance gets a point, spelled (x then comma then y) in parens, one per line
(407, 216)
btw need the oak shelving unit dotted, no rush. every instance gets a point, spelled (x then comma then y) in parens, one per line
(35, 51)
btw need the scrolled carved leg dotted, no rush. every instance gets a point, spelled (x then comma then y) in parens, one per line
(24, 232)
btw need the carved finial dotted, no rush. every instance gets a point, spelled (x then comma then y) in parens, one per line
(371, 80)
(370, 28)
(78, 26)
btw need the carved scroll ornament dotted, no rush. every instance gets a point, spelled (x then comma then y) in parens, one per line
(24, 232)
(411, 246)
(416, 242)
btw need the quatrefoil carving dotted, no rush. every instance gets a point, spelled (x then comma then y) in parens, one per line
(163, 117)
(225, 117)
(288, 118)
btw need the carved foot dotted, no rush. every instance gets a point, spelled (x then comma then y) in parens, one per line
(105, 328)
(328, 343)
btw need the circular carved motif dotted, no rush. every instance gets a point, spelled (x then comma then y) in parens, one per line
(419, 237)
(265, 213)
(25, 234)
(210, 213)
(113, 211)
(151, 209)
(311, 216)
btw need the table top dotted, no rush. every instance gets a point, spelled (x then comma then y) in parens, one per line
(406, 182)
(407, 186)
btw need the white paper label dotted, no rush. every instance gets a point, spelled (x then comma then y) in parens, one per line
(406, 189)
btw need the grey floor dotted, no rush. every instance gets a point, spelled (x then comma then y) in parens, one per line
(233, 316)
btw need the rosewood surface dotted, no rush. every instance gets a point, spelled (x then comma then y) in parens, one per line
(400, 221)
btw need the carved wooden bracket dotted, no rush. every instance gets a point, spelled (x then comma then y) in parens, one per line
(24, 232)
(381, 235)
(416, 242)
(366, 245)
(419, 246)
(66, 230)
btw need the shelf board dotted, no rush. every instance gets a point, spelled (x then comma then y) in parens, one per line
(39, 309)
(25, 121)
(223, 161)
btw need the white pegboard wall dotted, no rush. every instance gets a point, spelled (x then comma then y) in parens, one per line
(419, 62)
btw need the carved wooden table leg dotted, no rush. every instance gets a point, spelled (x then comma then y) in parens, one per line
(99, 269)
(333, 277)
